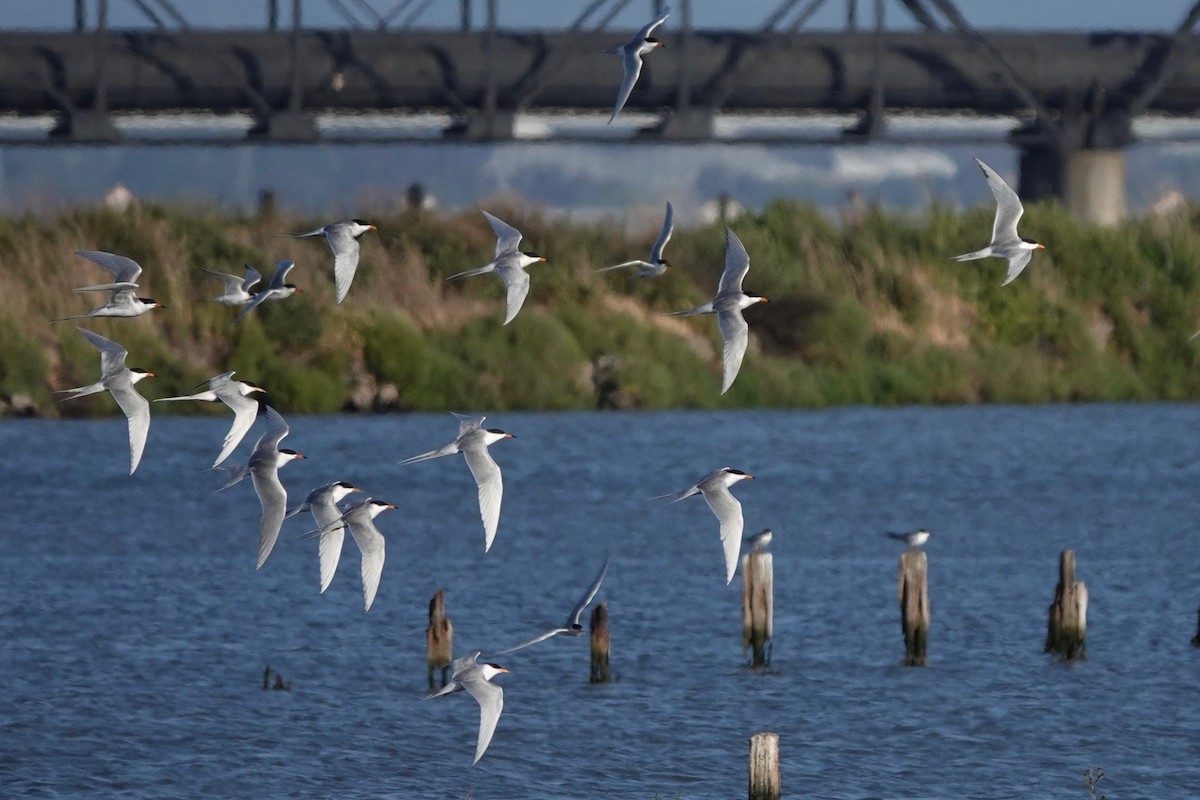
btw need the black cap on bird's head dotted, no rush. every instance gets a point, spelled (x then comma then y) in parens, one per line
(144, 372)
(291, 453)
(652, 40)
(350, 487)
(150, 301)
(1037, 245)
(499, 432)
(533, 255)
(575, 626)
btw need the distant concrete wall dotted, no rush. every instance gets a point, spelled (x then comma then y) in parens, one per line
(1095, 186)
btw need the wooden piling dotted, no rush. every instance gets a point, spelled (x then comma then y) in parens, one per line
(758, 606)
(1196, 638)
(1067, 631)
(764, 766)
(440, 638)
(600, 644)
(914, 606)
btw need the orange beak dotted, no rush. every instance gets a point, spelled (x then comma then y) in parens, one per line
(1041, 246)
(749, 477)
(372, 228)
(151, 375)
(763, 300)
(510, 436)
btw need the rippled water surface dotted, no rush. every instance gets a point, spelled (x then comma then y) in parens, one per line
(134, 630)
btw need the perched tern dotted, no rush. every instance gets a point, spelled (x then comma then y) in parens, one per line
(237, 290)
(1005, 241)
(360, 519)
(473, 441)
(342, 238)
(631, 58)
(264, 466)
(756, 542)
(509, 263)
(572, 627)
(715, 488)
(727, 304)
(236, 395)
(912, 538)
(322, 502)
(657, 265)
(122, 302)
(119, 380)
(475, 679)
(276, 290)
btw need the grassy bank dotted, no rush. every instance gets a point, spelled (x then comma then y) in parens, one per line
(873, 313)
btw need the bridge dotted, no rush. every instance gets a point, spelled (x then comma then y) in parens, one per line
(1074, 95)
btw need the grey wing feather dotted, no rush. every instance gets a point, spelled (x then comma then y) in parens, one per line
(232, 282)
(282, 268)
(254, 303)
(590, 595)
(649, 27)
(729, 513)
(736, 334)
(1008, 207)
(491, 489)
(125, 270)
(638, 263)
(491, 702)
(1016, 264)
(656, 254)
(508, 238)
(329, 548)
(468, 422)
(112, 355)
(138, 411)
(631, 61)
(517, 281)
(370, 541)
(277, 429)
(345, 258)
(273, 497)
(532, 641)
(245, 411)
(447, 450)
(253, 276)
(737, 264)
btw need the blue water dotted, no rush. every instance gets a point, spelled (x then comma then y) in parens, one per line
(134, 630)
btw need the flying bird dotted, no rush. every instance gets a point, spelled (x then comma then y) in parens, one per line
(572, 627)
(342, 238)
(473, 441)
(119, 379)
(236, 395)
(657, 265)
(911, 538)
(727, 304)
(1005, 241)
(360, 519)
(475, 679)
(715, 488)
(122, 302)
(264, 466)
(631, 58)
(509, 263)
(236, 290)
(276, 290)
(322, 502)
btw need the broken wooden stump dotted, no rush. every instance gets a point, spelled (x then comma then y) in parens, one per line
(600, 644)
(914, 606)
(1196, 638)
(439, 637)
(758, 611)
(764, 766)
(1067, 633)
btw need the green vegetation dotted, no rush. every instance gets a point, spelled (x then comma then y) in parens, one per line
(874, 313)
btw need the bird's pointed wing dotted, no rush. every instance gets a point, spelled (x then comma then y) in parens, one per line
(245, 410)
(370, 541)
(686, 493)
(631, 61)
(315, 232)
(112, 355)
(447, 450)
(277, 429)
(468, 422)
(1008, 207)
(656, 254)
(255, 302)
(588, 596)
(282, 268)
(345, 258)
(329, 548)
(253, 276)
(543, 637)
(273, 497)
(491, 488)
(491, 702)
(737, 264)
(125, 270)
(508, 238)
(232, 282)
(138, 411)
(1016, 264)
(637, 263)
(649, 27)
(736, 334)
(729, 513)
(517, 281)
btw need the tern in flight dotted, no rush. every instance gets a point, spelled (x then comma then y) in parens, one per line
(237, 290)
(119, 379)
(473, 441)
(475, 679)
(342, 238)
(236, 395)
(657, 265)
(122, 302)
(631, 58)
(264, 466)
(509, 263)
(1005, 241)
(572, 627)
(715, 488)
(727, 304)
(276, 290)
(322, 502)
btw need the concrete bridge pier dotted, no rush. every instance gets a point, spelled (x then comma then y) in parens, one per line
(1082, 165)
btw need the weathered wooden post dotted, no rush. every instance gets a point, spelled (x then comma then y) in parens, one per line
(764, 766)
(600, 644)
(1067, 633)
(914, 606)
(1196, 638)
(758, 611)
(440, 638)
